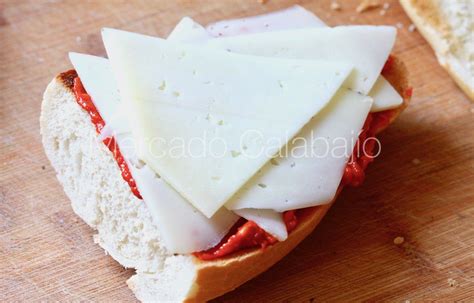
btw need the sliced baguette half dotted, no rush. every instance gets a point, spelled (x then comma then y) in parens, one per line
(91, 179)
(448, 27)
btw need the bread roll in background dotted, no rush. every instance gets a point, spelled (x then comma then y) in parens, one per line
(448, 26)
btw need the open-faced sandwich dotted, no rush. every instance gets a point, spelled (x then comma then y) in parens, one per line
(448, 26)
(204, 158)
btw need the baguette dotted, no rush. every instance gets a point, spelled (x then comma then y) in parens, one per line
(91, 179)
(448, 27)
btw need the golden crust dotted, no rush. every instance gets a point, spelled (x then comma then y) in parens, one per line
(214, 278)
(67, 78)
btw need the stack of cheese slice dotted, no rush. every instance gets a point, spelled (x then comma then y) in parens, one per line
(247, 122)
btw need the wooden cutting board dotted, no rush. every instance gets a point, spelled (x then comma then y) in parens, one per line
(421, 188)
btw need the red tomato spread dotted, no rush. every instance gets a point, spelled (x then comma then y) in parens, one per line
(364, 150)
(246, 234)
(85, 101)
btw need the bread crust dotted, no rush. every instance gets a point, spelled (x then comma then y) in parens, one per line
(429, 21)
(214, 278)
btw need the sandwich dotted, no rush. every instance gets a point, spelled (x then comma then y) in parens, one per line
(448, 26)
(204, 158)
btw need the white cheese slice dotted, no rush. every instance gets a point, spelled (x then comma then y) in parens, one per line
(384, 95)
(253, 105)
(182, 227)
(97, 78)
(117, 124)
(366, 47)
(269, 220)
(295, 16)
(309, 170)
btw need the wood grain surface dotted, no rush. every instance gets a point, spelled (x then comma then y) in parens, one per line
(420, 188)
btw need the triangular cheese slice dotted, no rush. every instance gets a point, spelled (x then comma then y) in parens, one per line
(309, 170)
(207, 120)
(385, 95)
(188, 31)
(367, 47)
(97, 77)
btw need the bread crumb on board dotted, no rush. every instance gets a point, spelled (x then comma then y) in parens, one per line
(262, 1)
(335, 6)
(398, 240)
(411, 28)
(416, 161)
(366, 5)
(452, 282)
(384, 9)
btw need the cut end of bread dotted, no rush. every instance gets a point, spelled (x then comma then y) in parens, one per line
(92, 181)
